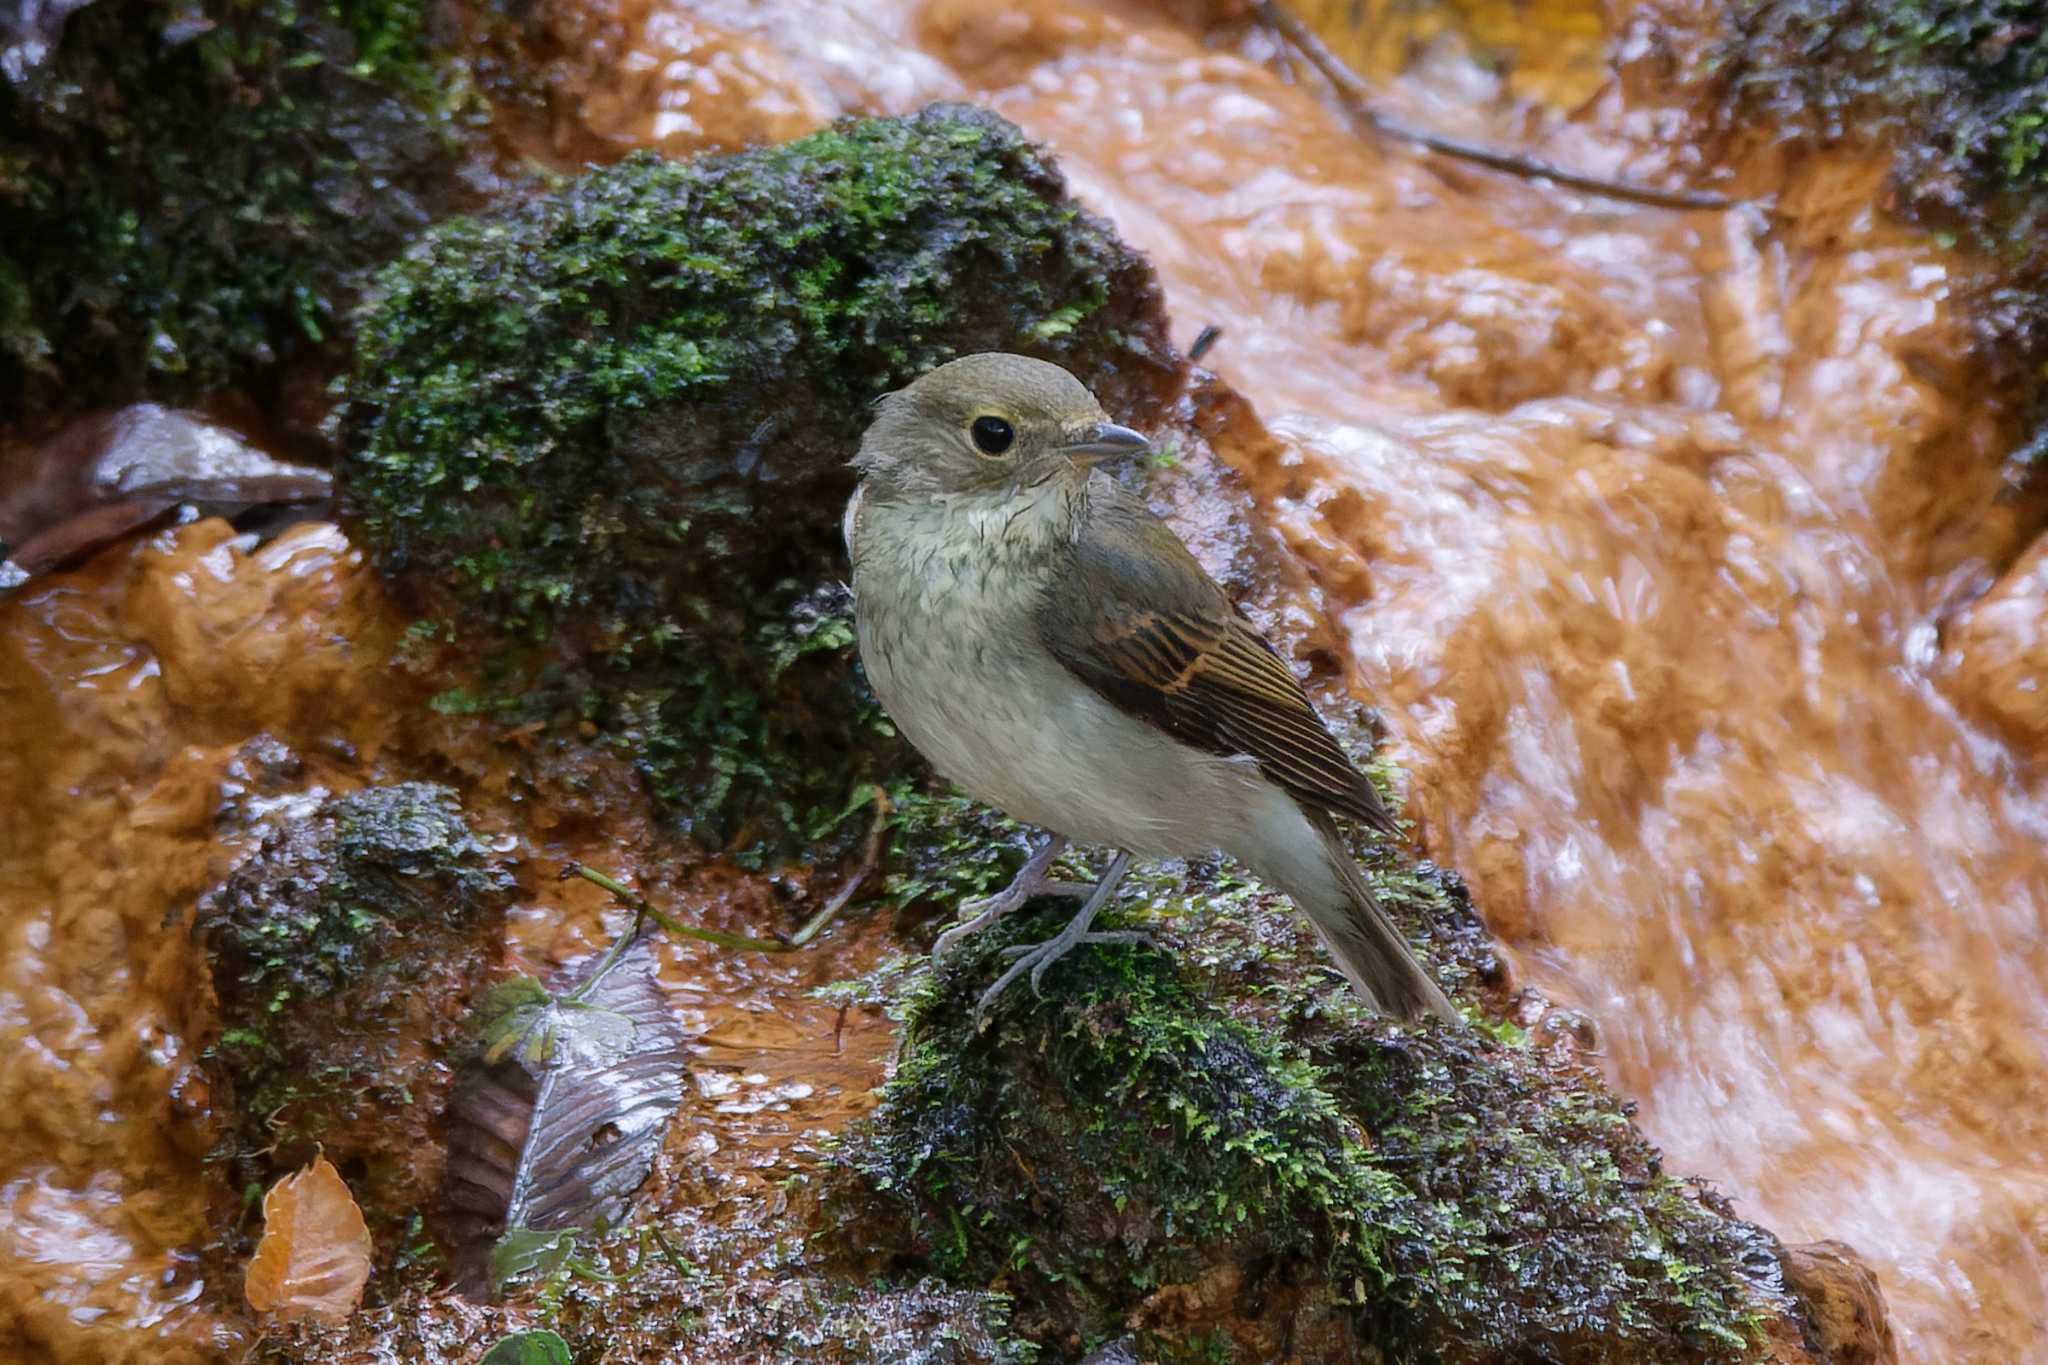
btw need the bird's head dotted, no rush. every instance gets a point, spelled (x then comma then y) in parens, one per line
(985, 422)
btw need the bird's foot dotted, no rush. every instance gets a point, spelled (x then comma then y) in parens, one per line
(1033, 879)
(1035, 958)
(988, 909)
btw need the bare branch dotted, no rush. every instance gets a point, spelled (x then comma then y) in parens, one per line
(1356, 99)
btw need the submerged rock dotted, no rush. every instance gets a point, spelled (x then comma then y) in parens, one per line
(343, 949)
(606, 432)
(1845, 1310)
(1997, 652)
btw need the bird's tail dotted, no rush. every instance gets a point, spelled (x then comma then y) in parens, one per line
(1369, 949)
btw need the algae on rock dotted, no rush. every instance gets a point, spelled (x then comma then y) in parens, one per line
(605, 433)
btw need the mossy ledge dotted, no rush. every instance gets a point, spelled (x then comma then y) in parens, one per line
(190, 195)
(1206, 1151)
(602, 437)
(1961, 85)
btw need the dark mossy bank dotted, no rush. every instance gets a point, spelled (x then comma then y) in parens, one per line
(602, 437)
(1962, 85)
(190, 195)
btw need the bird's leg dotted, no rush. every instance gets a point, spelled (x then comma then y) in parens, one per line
(1033, 879)
(1035, 958)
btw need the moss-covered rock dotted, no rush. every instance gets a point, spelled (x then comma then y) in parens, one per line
(1208, 1150)
(609, 429)
(343, 948)
(189, 194)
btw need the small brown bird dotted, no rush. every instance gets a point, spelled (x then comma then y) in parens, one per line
(1051, 646)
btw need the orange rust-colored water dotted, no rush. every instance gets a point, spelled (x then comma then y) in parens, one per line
(1662, 540)
(1654, 535)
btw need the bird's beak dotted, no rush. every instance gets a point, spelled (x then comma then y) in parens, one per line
(1101, 441)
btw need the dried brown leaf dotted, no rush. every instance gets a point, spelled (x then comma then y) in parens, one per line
(315, 1254)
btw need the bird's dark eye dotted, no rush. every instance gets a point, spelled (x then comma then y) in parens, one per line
(992, 435)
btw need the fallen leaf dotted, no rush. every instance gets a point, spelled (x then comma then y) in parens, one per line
(557, 1121)
(315, 1254)
(114, 473)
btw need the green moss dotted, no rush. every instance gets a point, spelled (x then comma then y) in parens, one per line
(1144, 1098)
(607, 431)
(1431, 1193)
(319, 906)
(1536, 1215)
(344, 934)
(189, 194)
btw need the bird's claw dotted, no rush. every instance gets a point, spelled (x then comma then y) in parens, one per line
(1038, 958)
(988, 909)
(1014, 897)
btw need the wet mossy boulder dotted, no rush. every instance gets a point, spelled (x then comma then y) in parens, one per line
(603, 436)
(344, 948)
(1206, 1151)
(190, 195)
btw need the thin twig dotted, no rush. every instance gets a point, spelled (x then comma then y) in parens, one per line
(643, 912)
(1356, 98)
(668, 1253)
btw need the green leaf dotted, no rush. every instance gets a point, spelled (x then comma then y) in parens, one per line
(528, 1348)
(527, 1251)
(521, 1015)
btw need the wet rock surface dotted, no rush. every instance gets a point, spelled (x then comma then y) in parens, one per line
(1843, 1306)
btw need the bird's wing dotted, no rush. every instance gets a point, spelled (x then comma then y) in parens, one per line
(1136, 618)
